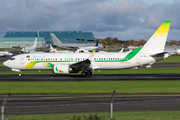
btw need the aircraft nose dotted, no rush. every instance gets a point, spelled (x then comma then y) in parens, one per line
(6, 63)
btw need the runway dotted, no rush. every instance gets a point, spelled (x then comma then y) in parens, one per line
(90, 103)
(115, 77)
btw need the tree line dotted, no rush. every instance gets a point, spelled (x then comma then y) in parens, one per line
(115, 41)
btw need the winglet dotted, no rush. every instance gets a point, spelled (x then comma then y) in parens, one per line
(97, 43)
(121, 50)
(91, 57)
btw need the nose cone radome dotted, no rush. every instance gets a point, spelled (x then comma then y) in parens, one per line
(6, 63)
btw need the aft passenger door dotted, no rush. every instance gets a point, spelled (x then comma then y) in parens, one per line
(138, 60)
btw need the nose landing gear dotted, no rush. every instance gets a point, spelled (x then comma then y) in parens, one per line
(19, 71)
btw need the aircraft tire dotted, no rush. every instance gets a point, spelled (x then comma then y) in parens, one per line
(20, 74)
(88, 73)
(83, 74)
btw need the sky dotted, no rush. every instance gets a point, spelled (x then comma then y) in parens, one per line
(124, 19)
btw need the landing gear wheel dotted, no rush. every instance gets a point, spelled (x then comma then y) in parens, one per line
(88, 72)
(83, 73)
(20, 74)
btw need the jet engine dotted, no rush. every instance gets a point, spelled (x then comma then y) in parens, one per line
(61, 69)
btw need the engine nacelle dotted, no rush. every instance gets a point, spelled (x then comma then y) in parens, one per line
(61, 69)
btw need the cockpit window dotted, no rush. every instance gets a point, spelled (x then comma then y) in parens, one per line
(12, 58)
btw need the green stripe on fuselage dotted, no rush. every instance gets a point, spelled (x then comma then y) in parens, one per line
(133, 53)
(128, 57)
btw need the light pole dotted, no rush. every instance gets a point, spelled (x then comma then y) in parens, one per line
(111, 105)
(2, 106)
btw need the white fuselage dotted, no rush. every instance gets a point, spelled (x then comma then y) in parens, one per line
(102, 60)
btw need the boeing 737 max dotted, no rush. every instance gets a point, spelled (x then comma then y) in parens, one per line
(64, 63)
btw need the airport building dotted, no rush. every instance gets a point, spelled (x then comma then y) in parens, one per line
(22, 39)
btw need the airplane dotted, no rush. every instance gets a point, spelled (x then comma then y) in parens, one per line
(80, 49)
(88, 48)
(65, 63)
(172, 49)
(52, 50)
(28, 49)
(75, 46)
(3, 53)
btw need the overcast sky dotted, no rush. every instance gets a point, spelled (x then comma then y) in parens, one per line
(124, 19)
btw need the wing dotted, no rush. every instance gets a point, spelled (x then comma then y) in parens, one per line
(83, 65)
(87, 64)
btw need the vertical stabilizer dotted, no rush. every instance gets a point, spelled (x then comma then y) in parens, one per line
(35, 43)
(157, 41)
(51, 48)
(56, 41)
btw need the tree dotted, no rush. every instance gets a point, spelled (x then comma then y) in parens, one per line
(132, 42)
(109, 41)
(174, 42)
(141, 42)
(115, 40)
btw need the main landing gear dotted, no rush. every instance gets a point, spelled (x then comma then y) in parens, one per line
(86, 73)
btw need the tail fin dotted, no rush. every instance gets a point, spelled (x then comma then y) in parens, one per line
(35, 43)
(56, 41)
(97, 43)
(51, 48)
(157, 41)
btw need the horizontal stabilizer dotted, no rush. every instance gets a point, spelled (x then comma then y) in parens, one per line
(159, 54)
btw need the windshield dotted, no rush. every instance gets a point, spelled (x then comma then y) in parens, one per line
(12, 58)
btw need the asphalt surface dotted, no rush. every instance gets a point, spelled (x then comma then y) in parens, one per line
(88, 103)
(129, 77)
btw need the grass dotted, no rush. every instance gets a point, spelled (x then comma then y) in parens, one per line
(142, 115)
(171, 59)
(85, 87)
(1, 64)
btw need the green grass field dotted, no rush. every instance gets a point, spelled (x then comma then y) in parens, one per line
(171, 59)
(145, 115)
(1, 64)
(85, 87)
